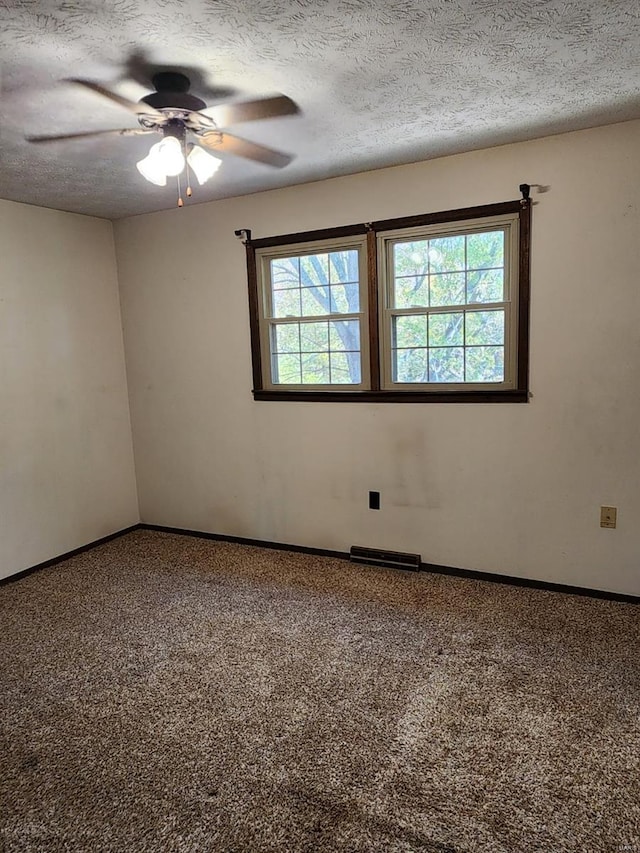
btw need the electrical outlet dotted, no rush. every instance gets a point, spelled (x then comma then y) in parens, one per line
(374, 500)
(608, 516)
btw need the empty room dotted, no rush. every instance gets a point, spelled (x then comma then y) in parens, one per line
(319, 423)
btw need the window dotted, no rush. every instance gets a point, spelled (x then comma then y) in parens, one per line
(430, 308)
(313, 308)
(448, 306)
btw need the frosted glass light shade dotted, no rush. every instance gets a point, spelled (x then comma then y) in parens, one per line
(203, 164)
(151, 169)
(169, 154)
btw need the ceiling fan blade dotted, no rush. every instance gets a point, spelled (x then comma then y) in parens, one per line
(229, 144)
(90, 133)
(132, 106)
(226, 114)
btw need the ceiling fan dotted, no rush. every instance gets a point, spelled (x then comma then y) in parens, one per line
(188, 127)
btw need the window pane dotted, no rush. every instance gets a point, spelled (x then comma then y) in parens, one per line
(410, 331)
(484, 364)
(484, 327)
(314, 270)
(345, 368)
(286, 369)
(343, 266)
(411, 292)
(287, 337)
(285, 272)
(315, 368)
(446, 254)
(344, 335)
(345, 298)
(485, 250)
(315, 300)
(314, 337)
(447, 289)
(485, 286)
(410, 365)
(411, 258)
(446, 365)
(286, 303)
(446, 329)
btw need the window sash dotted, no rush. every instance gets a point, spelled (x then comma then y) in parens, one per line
(463, 346)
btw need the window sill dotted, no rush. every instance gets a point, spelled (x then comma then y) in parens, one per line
(510, 396)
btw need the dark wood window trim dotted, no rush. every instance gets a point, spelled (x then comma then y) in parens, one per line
(372, 293)
(519, 394)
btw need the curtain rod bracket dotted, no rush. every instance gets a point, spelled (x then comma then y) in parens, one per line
(243, 234)
(525, 189)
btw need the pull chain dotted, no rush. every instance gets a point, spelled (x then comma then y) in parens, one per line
(180, 202)
(189, 193)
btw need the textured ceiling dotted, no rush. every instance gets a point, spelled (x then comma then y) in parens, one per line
(379, 82)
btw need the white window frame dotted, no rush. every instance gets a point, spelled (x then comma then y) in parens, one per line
(386, 241)
(268, 322)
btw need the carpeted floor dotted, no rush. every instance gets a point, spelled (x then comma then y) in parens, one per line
(163, 693)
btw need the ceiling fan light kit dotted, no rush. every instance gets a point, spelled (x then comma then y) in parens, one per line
(166, 159)
(175, 113)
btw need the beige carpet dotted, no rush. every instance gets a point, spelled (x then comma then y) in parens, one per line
(163, 693)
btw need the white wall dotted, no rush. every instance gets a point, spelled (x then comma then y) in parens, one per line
(66, 460)
(514, 489)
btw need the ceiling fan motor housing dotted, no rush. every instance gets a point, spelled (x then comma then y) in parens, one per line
(172, 90)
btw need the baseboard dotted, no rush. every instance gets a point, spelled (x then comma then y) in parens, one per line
(62, 557)
(471, 574)
(512, 580)
(240, 540)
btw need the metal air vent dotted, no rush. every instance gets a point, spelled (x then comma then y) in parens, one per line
(377, 557)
